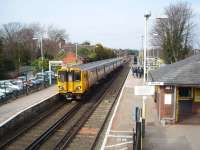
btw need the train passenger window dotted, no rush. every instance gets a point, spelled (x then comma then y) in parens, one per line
(70, 76)
(77, 75)
(62, 76)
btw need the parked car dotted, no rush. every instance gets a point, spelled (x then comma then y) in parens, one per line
(8, 84)
(36, 81)
(23, 78)
(2, 95)
(42, 76)
(47, 73)
(18, 83)
(6, 90)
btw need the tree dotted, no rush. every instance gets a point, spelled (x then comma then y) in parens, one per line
(83, 52)
(38, 64)
(174, 34)
(56, 38)
(2, 70)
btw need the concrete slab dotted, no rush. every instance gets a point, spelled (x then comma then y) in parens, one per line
(15, 107)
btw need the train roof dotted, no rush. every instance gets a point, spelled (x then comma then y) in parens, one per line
(96, 64)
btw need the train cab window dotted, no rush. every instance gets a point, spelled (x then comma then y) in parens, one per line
(62, 76)
(77, 75)
(70, 76)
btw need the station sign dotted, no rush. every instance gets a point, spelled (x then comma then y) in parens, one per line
(145, 90)
(155, 83)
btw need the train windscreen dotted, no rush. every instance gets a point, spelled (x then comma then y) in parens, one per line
(62, 76)
(77, 75)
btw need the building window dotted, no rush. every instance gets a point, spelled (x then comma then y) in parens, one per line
(197, 95)
(185, 91)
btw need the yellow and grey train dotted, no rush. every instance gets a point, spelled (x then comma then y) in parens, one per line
(73, 82)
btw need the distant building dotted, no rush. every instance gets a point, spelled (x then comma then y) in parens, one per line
(177, 94)
(70, 59)
(153, 57)
(195, 52)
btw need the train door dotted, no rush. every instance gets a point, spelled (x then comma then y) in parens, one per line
(77, 81)
(70, 84)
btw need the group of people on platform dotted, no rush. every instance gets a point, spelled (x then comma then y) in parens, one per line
(137, 71)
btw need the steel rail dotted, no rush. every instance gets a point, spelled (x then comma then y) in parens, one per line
(66, 140)
(29, 126)
(39, 141)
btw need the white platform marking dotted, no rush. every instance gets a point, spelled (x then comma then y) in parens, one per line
(119, 144)
(121, 136)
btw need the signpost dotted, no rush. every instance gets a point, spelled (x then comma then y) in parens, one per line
(144, 91)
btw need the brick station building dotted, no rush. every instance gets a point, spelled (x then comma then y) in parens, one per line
(177, 94)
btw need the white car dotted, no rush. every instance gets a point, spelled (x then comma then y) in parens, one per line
(18, 84)
(2, 95)
(6, 90)
(8, 84)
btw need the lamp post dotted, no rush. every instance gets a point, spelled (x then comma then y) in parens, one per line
(76, 51)
(42, 54)
(147, 15)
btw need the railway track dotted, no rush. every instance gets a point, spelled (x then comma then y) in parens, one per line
(60, 130)
(26, 136)
(88, 134)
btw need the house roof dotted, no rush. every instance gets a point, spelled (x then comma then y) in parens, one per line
(184, 72)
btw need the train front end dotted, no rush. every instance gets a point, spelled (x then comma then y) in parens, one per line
(70, 83)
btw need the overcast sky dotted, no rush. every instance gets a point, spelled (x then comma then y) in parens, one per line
(114, 23)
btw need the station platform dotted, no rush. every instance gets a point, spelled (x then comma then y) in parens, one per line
(12, 109)
(119, 133)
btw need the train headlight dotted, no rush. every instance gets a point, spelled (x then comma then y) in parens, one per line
(61, 88)
(78, 88)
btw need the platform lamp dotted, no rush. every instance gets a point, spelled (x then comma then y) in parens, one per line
(147, 15)
(42, 54)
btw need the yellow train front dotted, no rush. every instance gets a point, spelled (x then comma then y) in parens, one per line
(71, 83)
(74, 82)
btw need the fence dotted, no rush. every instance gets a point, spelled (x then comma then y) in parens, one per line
(139, 133)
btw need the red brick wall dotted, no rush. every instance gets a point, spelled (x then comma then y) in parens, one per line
(196, 107)
(166, 110)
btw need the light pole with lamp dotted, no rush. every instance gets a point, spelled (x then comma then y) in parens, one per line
(42, 54)
(76, 51)
(147, 15)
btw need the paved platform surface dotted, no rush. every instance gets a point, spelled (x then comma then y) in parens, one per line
(119, 136)
(11, 109)
(157, 137)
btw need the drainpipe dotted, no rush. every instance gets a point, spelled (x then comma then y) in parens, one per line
(159, 105)
(174, 114)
